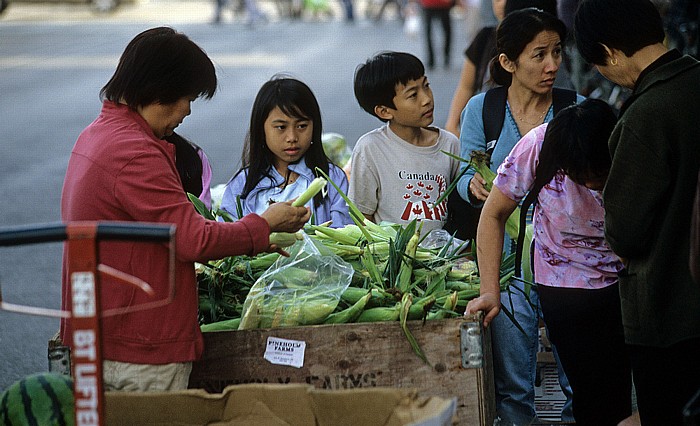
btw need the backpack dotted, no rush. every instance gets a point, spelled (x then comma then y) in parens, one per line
(462, 217)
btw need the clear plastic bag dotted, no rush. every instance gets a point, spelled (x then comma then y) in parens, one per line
(302, 289)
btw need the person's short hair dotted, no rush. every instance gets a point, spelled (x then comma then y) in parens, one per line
(626, 25)
(376, 80)
(160, 65)
(549, 6)
(515, 32)
(576, 140)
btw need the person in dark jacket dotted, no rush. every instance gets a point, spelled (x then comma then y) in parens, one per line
(648, 198)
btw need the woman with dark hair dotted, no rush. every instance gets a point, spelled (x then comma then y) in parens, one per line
(474, 77)
(648, 198)
(561, 168)
(122, 169)
(529, 54)
(282, 151)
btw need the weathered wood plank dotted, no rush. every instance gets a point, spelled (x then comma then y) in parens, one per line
(349, 356)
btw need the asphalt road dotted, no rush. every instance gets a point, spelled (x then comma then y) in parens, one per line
(53, 62)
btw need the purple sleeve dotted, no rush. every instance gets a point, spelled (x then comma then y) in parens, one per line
(205, 196)
(516, 174)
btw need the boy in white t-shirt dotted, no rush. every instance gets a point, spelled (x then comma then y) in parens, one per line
(399, 170)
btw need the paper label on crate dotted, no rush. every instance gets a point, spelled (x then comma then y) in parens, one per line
(83, 293)
(285, 352)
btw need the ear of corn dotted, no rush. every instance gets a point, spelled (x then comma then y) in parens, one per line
(225, 325)
(403, 280)
(447, 309)
(314, 188)
(381, 313)
(349, 314)
(284, 239)
(338, 235)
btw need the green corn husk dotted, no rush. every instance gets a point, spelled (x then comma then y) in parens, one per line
(447, 308)
(405, 304)
(480, 163)
(284, 239)
(350, 314)
(225, 325)
(314, 188)
(381, 313)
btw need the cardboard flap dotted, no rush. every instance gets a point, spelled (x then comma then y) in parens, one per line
(256, 414)
(289, 404)
(278, 405)
(355, 407)
(184, 408)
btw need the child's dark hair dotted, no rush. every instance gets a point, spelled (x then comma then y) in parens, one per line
(576, 145)
(376, 79)
(515, 32)
(296, 100)
(188, 163)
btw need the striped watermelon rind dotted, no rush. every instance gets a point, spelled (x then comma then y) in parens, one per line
(42, 399)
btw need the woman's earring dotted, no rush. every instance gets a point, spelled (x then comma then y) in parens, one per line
(613, 61)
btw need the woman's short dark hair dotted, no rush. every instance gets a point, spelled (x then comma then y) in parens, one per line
(515, 32)
(160, 65)
(376, 79)
(626, 25)
(576, 140)
(296, 100)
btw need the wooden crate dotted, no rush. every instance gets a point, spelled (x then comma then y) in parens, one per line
(349, 356)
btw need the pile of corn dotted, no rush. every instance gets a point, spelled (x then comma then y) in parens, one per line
(391, 271)
(393, 278)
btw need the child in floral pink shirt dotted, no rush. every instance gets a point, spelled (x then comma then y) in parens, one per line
(574, 268)
(570, 249)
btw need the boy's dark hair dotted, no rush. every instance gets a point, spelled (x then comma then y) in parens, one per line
(627, 25)
(296, 100)
(549, 6)
(515, 32)
(376, 79)
(160, 65)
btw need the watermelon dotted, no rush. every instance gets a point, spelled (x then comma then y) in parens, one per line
(42, 399)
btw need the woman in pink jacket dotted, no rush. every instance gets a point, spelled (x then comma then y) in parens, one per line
(122, 169)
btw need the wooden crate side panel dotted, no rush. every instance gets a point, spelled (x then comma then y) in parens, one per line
(352, 356)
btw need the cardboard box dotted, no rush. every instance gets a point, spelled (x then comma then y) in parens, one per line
(368, 355)
(277, 405)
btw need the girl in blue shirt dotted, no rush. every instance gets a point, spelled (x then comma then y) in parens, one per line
(282, 151)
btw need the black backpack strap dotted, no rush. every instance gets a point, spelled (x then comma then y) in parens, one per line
(492, 114)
